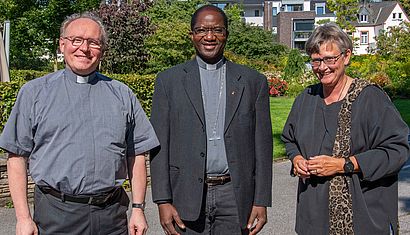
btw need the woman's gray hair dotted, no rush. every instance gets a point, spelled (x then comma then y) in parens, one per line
(326, 33)
(87, 15)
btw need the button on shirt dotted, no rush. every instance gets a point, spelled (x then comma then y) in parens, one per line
(77, 133)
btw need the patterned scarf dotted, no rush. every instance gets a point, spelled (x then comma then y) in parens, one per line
(340, 198)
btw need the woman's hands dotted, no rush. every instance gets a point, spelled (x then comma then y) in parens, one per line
(300, 167)
(321, 165)
(324, 165)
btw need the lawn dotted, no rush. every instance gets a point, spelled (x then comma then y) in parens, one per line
(280, 107)
(403, 105)
(279, 111)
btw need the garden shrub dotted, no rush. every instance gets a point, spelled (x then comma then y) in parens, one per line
(141, 85)
(277, 86)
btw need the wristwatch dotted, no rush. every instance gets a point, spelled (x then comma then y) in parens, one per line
(348, 167)
(139, 205)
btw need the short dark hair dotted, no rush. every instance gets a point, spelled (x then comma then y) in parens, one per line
(194, 17)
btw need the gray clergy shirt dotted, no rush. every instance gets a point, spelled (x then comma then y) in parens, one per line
(77, 132)
(214, 100)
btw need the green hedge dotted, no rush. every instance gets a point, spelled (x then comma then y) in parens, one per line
(142, 85)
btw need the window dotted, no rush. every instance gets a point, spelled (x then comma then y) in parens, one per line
(394, 16)
(220, 5)
(320, 8)
(363, 18)
(257, 13)
(294, 7)
(320, 11)
(304, 26)
(399, 15)
(364, 37)
(274, 11)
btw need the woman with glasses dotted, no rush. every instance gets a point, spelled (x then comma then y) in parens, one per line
(347, 143)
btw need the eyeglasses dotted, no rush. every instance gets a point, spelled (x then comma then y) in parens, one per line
(217, 31)
(328, 60)
(78, 41)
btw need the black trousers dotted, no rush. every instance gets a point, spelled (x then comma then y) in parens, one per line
(219, 214)
(53, 216)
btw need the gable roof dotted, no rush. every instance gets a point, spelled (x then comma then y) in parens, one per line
(378, 12)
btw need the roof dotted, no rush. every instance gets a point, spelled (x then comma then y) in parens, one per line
(378, 12)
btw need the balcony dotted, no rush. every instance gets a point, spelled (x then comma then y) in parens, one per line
(301, 36)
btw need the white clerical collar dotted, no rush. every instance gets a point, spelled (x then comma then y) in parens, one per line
(81, 79)
(207, 66)
(78, 78)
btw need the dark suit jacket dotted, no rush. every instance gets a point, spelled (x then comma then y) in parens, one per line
(178, 169)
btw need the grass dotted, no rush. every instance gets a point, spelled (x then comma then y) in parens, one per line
(279, 111)
(403, 105)
(280, 108)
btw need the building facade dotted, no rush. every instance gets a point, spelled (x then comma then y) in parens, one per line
(294, 20)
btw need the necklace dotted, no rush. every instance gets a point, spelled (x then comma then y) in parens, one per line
(214, 125)
(341, 92)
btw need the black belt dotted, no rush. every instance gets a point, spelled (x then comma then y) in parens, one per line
(217, 180)
(95, 200)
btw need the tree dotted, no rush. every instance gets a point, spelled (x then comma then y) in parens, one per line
(251, 41)
(170, 43)
(295, 66)
(35, 27)
(128, 28)
(346, 11)
(406, 5)
(395, 43)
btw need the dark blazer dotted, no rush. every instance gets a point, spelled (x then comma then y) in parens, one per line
(178, 168)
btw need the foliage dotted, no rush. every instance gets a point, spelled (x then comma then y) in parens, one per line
(141, 85)
(395, 43)
(277, 86)
(128, 28)
(170, 44)
(254, 43)
(346, 11)
(256, 64)
(8, 94)
(297, 85)
(406, 6)
(35, 26)
(295, 65)
(9, 204)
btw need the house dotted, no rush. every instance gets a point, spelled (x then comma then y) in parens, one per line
(373, 18)
(294, 20)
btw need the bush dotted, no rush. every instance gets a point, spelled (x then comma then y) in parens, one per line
(142, 86)
(8, 95)
(277, 86)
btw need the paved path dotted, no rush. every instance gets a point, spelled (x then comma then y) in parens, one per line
(281, 217)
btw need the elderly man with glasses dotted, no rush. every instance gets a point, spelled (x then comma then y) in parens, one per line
(213, 173)
(82, 134)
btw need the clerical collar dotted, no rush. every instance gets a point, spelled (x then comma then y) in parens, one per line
(78, 78)
(207, 66)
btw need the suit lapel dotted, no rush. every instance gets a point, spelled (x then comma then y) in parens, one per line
(192, 85)
(234, 91)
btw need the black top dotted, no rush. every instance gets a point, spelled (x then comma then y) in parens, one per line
(379, 142)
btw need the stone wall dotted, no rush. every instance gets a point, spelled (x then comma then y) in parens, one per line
(5, 198)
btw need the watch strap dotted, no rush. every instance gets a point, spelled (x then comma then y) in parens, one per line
(139, 205)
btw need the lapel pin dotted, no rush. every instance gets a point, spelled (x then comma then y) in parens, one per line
(233, 93)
